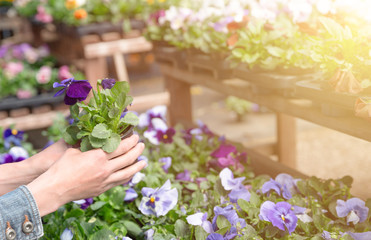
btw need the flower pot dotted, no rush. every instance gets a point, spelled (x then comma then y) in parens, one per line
(280, 81)
(128, 132)
(213, 64)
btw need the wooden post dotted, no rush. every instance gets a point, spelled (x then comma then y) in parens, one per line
(95, 68)
(180, 107)
(119, 61)
(286, 139)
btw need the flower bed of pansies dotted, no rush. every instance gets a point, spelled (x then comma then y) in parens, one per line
(27, 71)
(198, 186)
(321, 41)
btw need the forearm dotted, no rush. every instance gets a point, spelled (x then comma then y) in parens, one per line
(13, 175)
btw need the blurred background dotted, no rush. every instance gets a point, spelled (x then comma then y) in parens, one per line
(47, 41)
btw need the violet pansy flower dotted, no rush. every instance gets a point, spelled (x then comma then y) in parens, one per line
(184, 176)
(84, 203)
(360, 236)
(215, 236)
(231, 215)
(200, 219)
(76, 90)
(160, 132)
(159, 201)
(15, 154)
(137, 178)
(145, 119)
(66, 234)
(166, 163)
(284, 185)
(235, 184)
(354, 209)
(130, 195)
(12, 136)
(280, 215)
(108, 83)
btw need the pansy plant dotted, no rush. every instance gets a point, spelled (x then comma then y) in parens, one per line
(100, 123)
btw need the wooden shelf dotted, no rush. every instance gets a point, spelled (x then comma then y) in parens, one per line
(299, 108)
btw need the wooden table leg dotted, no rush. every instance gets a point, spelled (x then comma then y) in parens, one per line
(180, 107)
(95, 68)
(286, 139)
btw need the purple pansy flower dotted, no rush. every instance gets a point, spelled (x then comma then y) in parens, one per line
(231, 215)
(84, 203)
(280, 215)
(149, 234)
(145, 119)
(160, 132)
(15, 154)
(354, 209)
(12, 136)
(137, 178)
(184, 176)
(223, 151)
(227, 155)
(130, 195)
(158, 201)
(215, 236)
(66, 234)
(235, 184)
(200, 219)
(166, 161)
(76, 90)
(108, 83)
(360, 236)
(3, 51)
(278, 188)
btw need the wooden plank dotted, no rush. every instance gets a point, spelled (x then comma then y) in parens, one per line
(286, 139)
(104, 49)
(95, 68)
(32, 121)
(20, 112)
(303, 109)
(120, 66)
(180, 108)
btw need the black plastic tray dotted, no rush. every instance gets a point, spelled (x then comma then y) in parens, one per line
(10, 103)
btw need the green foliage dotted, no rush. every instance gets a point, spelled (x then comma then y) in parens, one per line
(98, 125)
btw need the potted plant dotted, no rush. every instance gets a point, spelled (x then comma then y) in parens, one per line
(104, 121)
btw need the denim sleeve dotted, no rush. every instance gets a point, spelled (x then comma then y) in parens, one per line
(15, 208)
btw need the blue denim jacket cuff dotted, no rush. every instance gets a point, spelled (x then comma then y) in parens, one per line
(15, 207)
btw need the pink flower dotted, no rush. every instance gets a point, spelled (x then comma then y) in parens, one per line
(64, 73)
(13, 68)
(22, 94)
(42, 15)
(44, 75)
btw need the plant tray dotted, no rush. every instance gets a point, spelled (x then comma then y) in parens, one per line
(281, 82)
(332, 103)
(170, 55)
(10, 103)
(218, 68)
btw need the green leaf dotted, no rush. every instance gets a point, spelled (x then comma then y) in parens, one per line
(74, 111)
(222, 222)
(200, 233)
(97, 205)
(254, 199)
(121, 101)
(130, 119)
(82, 134)
(244, 205)
(102, 234)
(112, 143)
(275, 51)
(120, 87)
(117, 197)
(271, 231)
(100, 131)
(181, 229)
(85, 145)
(78, 212)
(70, 134)
(133, 228)
(113, 112)
(96, 142)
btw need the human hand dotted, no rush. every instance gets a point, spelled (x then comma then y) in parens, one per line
(42, 161)
(78, 175)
